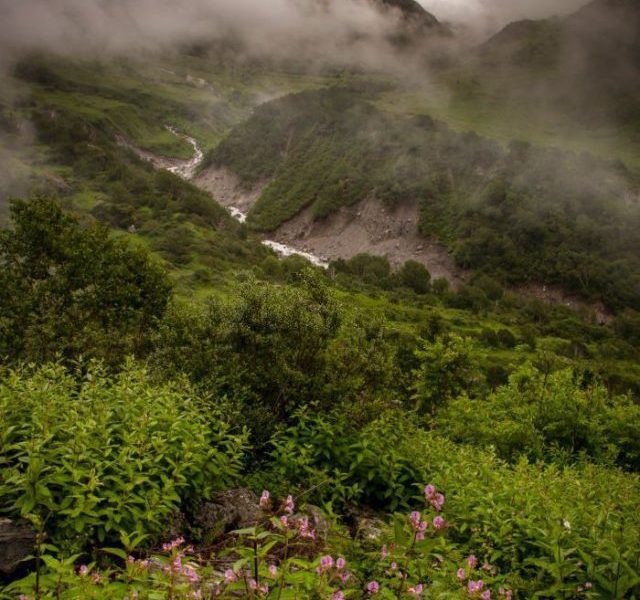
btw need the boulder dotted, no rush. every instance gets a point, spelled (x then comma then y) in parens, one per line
(226, 511)
(16, 543)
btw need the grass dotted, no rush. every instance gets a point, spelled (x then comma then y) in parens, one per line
(502, 122)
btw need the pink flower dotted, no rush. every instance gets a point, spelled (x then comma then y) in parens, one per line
(472, 561)
(588, 585)
(304, 530)
(394, 565)
(284, 520)
(415, 519)
(486, 595)
(438, 502)
(373, 587)
(439, 523)
(253, 584)
(96, 578)
(344, 576)
(339, 595)
(289, 505)
(83, 570)
(168, 547)
(229, 576)
(273, 570)
(475, 587)
(264, 498)
(384, 552)
(419, 536)
(460, 574)
(326, 562)
(430, 491)
(341, 563)
(416, 591)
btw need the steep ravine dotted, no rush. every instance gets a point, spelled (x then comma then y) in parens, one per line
(366, 226)
(237, 207)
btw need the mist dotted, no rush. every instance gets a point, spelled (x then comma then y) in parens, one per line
(350, 31)
(486, 17)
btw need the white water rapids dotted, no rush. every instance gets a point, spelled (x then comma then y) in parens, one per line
(187, 169)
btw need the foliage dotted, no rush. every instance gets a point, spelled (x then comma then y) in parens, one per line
(71, 290)
(86, 458)
(543, 415)
(265, 349)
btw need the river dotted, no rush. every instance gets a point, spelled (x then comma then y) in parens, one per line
(187, 169)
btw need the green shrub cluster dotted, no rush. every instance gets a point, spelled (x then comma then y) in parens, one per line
(85, 456)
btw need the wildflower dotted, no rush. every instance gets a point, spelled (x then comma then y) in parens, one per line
(264, 589)
(588, 585)
(84, 570)
(96, 578)
(472, 561)
(341, 563)
(394, 565)
(439, 523)
(415, 519)
(416, 591)
(284, 520)
(419, 536)
(326, 562)
(305, 530)
(475, 587)
(273, 570)
(144, 563)
(289, 505)
(253, 584)
(430, 492)
(486, 595)
(130, 559)
(229, 576)
(438, 502)
(191, 574)
(264, 499)
(345, 576)
(384, 552)
(373, 587)
(339, 595)
(460, 574)
(168, 547)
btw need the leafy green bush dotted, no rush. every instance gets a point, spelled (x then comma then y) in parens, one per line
(86, 459)
(71, 290)
(540, 523)
(548, 416)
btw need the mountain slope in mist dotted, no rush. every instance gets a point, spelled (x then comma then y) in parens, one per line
(585, 66)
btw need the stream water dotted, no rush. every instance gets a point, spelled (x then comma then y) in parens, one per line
(187, 169)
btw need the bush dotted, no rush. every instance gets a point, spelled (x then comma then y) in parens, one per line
(84, 459)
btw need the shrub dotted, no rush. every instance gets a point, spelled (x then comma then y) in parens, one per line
(85, 459)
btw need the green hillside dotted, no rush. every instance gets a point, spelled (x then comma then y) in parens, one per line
(186, 415)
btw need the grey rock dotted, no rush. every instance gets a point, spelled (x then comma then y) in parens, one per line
(369, 528)
(226, 511)
(16, 543)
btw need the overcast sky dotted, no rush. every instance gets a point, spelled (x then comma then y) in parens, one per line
(495, 14)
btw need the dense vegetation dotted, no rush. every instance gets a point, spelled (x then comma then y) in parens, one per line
(520, 214)
(394, 437)
(283, 387)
